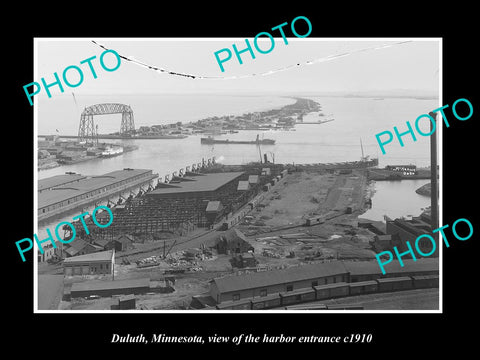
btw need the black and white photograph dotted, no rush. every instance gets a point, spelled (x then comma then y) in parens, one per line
(274, 181)
(262, 187)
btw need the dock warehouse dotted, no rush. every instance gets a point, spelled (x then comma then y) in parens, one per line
(206, 186)
(58, 180)
(179, 202)
(234, 288)
(54, 199)
(109, 288)
(90, 264)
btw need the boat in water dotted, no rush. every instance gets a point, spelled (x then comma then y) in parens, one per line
(142, 136)
(111, 152)
(210, 140)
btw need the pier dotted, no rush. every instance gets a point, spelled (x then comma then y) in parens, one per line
(67, 192)
(398, 172)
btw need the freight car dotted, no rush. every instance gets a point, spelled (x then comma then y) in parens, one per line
(298, 296)
(266, 302)
(394, 284)
(425, 281)
(331, 291)
(292, 299)
(307, 307)
(344, 307)
(363, 287)
(245, 304)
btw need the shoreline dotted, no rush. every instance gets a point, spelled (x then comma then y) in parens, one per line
(257, 120)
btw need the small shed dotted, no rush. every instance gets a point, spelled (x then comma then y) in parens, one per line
(126, 302)
(121, 243)
(231, 241)
(102, 243)
(382, 242)
(81, 247)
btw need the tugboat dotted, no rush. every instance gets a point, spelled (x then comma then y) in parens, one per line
(111, 152)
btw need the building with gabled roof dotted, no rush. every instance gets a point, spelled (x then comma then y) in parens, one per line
(98, 263)
(234, 288)
(67, 192)
(262, 284)
(232, 241)
(203, 185)
(80, 247)
(102, 242)
(109, 288)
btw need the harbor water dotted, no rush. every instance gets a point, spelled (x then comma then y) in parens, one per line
(396, 199)
(355, 118)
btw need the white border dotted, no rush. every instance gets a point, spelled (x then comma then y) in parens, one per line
(219, 312)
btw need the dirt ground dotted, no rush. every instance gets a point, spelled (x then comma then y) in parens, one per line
(303, 195)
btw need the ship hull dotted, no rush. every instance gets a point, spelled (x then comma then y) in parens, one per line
(213, 141)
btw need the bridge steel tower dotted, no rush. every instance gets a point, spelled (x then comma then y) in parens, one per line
(87, 131)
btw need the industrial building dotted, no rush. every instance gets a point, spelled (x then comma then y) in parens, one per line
(62, 193)
(232, 241)
(120, 243)
(98, 263)
(234, 288)
(403, 230)
(197, 185)
(80, 247)
(320, 276)
(193, 200)
(59, 180)
(49, 252)
(109, 288)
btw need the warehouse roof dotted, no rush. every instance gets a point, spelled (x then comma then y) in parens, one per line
(58, 180)
(204, 182)
(268, 278)
(70, 190)
(372, 266)
(109, 285)
(101, 242)
(78, 244)
(97, 256)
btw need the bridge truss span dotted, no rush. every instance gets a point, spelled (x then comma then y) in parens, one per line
(87, 131)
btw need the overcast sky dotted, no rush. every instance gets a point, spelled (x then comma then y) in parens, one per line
(413, 66)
